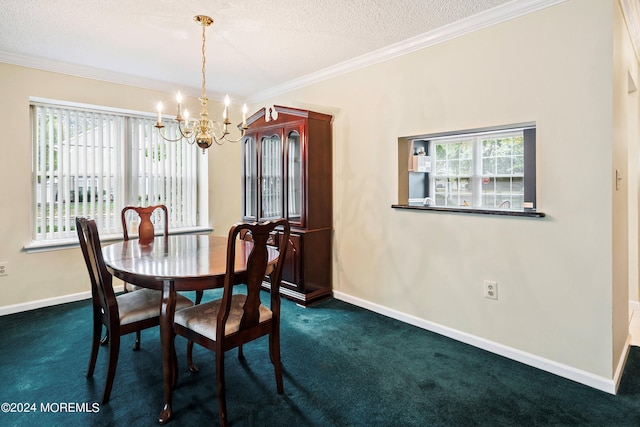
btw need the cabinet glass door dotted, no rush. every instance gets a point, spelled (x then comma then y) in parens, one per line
(271, 201)
(250, 178)
(294, 177)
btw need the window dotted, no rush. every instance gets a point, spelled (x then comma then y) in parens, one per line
(485, 169)
(93, 162)
(451, 181)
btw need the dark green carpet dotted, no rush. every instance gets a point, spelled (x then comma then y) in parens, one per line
(343, 366)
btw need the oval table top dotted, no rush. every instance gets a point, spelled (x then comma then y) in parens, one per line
(192, 261)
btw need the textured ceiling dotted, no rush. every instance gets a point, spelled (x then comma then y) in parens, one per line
(253, 45)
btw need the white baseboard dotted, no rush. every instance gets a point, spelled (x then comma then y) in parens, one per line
(48, 302)
(583, 377)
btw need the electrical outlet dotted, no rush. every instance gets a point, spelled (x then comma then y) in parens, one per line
(490, 289)
(3, 268)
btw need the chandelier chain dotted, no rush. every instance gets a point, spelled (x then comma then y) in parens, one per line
(204, 60)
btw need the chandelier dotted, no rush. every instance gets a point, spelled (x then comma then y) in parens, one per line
(202, 131)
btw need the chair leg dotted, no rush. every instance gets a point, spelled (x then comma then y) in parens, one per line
(240, 352)
(222, 400)
(193, 368)
(136, 345)
(95, 344)
(274, 350)
(114, 349)
(174, 361)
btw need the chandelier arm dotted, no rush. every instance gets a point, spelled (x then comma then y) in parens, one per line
(182, 136)
(186, 135)
(224, 138)
(218, 139)
(162, 135)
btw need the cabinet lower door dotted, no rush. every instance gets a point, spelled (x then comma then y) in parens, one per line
(306, 273)
(292, 268)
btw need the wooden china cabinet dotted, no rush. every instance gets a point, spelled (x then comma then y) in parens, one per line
(287, 173)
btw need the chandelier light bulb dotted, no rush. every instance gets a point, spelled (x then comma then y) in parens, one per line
(245, 109)
(179, 101)
(159, 114)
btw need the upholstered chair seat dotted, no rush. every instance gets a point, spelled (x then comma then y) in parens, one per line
(144, 304)
(202, 319)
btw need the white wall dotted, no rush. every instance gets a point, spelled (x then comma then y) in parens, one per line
(555, 274)
(625, 154)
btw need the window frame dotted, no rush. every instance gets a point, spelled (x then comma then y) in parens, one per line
(122, 188)
(406, 147)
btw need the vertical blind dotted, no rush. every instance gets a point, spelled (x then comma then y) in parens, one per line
(93, 163)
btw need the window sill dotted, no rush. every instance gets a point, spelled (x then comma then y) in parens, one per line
(45, 246)
(502, 212)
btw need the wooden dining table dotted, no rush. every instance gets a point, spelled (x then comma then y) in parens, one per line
(189, 262)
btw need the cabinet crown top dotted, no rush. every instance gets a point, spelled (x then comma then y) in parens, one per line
(280, 114)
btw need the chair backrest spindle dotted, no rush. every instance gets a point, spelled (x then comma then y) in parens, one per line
(102, 291)
(146, 230)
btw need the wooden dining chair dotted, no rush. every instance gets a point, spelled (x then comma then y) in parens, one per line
(122, 314)
(236, 319)
(146, 233)
(146, 230)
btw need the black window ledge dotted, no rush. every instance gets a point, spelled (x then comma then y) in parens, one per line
(503, 212)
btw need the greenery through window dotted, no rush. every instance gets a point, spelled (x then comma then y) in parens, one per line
(454, 170)
(502, 170)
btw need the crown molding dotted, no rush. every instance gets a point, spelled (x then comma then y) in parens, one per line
(83, 71)
(631, 13)
(474, 23)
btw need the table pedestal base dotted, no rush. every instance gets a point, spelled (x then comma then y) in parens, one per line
(169, 358)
